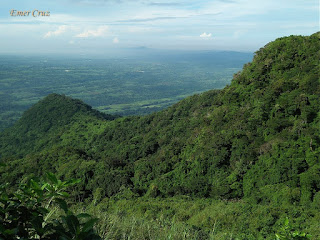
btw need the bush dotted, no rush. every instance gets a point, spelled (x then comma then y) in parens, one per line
(38, 210)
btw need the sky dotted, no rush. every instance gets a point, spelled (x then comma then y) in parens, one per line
(102, 26)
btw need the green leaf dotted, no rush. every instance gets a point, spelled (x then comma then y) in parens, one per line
(62, 204)
(44, 186)
(35, 185)
(73, 224)
(286, 222)
(52, 177)
(89, 225)
(64, 194)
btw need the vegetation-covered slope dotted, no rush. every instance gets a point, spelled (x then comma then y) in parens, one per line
(257, 139)
(49, 116)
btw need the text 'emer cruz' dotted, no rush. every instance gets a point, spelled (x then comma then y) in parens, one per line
(34, 13)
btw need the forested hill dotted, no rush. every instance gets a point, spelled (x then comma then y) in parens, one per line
(257, 139)
(49, 116)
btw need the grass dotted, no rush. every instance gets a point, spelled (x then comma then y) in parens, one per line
(186, 218)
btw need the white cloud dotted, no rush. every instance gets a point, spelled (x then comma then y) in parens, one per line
(59, 31)
(205, 35)
(115, 40)
(100, 31)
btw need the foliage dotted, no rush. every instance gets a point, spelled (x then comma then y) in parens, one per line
(256, 140)
(287, 233)
(34, 212)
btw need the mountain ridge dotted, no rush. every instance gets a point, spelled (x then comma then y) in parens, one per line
(259, 132)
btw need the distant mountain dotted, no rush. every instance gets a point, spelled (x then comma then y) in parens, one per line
(231, 59)
(257, 139)
(55, 111)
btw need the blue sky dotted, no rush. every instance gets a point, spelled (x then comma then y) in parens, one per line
(102, 26)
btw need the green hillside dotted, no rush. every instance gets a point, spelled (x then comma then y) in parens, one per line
(49, 116)
(257, 141)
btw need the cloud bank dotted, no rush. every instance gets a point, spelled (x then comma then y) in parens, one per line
(61, 29)
(205, 35)
(100, 31)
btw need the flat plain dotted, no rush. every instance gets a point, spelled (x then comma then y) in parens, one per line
(135, 85)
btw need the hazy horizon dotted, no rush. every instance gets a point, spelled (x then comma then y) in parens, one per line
(125, 53)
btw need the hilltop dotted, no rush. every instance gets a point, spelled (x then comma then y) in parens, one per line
(49, 116)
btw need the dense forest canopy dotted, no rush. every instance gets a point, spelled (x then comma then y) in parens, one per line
(258, 139)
